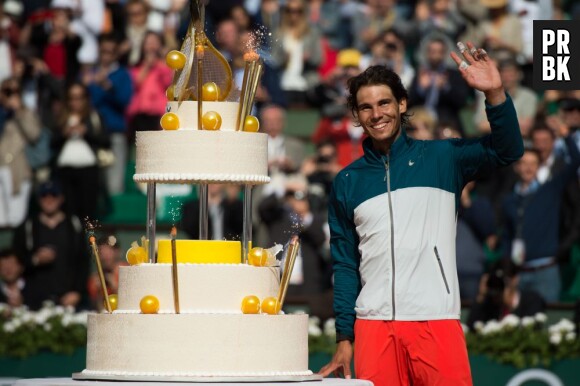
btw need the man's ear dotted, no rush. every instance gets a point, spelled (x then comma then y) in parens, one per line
(403, 106)
(355, 118)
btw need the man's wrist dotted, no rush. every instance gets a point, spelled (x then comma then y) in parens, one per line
(495, 97)
(343, 337)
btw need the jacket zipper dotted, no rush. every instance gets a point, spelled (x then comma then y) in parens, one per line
(388, 179)
(441, 268)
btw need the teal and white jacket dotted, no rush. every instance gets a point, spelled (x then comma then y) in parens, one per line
(393, 221)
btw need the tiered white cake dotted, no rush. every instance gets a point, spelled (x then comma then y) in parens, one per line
(210, 339)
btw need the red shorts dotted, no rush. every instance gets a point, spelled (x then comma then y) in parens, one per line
(411, 353)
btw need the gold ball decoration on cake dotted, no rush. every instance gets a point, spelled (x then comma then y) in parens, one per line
(210, 92)
(170, 121)
(136, 255)
(211, 121)
(270, 306)
(251, 305)
(258, 257)
(149, 304)
(175, 59)
(251, 124)
(113, 301)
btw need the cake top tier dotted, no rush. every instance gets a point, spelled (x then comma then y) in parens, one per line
(199, 156)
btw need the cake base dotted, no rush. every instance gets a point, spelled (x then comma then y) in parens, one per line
(217, 379)
(197, 345)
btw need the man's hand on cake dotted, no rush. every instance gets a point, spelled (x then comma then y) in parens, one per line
(340, 363)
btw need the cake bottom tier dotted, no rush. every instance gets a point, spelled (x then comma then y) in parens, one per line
(197, 345)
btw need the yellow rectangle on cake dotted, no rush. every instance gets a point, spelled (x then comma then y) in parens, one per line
(201, 251)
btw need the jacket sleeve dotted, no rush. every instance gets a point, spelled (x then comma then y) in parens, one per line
(345, 262)
(500, 148)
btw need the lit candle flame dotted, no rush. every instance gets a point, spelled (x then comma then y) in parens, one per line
(251, 56)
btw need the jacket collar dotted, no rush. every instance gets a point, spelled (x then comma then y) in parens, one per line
(372, 155)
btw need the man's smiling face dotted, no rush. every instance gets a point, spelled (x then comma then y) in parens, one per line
(379, 113)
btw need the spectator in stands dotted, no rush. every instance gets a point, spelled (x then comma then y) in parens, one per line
(320, 170)
(115, 20)
(552, 163)
(136, 12)
(395, 56)
(110, 254)
(567, 119)
(372, 19)
(233, 43)
(54, 250)
(476, 232)
(77, 139)
(473, 12)
(500, 295)
(329, 19)
(225, 214)
(151, 77)
(87, 22)
(536, 248)
(438, 16)
(57, 43)
(111, 89)
(9, 36)
(14, 289)
(242, 18)
(337, 124)
(18, 127)
(299, 52)
(162, 18)
(217, 11)
(41, 91)
(292, 214)
(438, 85)
(269, 15)
(228, 43)
(501, 33)
(543, 139)
(525, 100)
(421, 123)
(285, 153)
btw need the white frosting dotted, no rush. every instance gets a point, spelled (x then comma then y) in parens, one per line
(187, 113)
(188, 156)
(201, 178)
(209, 287)
(125, 344)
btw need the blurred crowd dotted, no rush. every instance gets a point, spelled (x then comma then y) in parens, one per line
(78, 78)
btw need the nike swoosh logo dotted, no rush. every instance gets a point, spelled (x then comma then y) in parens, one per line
(411, 163)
